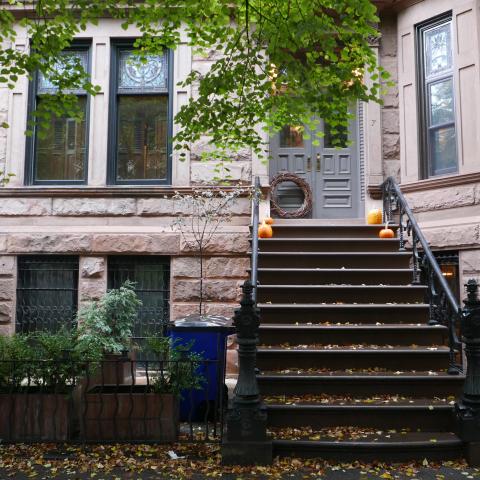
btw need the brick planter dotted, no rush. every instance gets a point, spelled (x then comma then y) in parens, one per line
(35, 417)
(129, 414)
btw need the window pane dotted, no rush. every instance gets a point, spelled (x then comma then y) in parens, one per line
(145, 76)
(142, 137)
(443, 150)
(67, 60)
(291, 136)
(441, 102)
(61, 153)
(338, 139)
(46, 292)
(438, 50)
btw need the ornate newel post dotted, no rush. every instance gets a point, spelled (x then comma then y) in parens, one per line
(468, 408)
(245, 441)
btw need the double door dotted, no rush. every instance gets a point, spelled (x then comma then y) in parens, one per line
(332, 171)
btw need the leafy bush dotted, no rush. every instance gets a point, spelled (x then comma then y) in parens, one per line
(180, 366)
(15, 351)
(106, 326)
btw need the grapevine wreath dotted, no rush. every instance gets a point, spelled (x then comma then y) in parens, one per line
(307, 204)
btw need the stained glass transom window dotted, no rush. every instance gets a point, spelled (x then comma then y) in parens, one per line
(68, 61)
(146, 74)
(438, 50)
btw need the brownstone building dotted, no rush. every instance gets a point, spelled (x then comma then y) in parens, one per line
(92, 201)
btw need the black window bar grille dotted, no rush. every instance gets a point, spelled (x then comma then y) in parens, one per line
(152, 285)
(47, 292)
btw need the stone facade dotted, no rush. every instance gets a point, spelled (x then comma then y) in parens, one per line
(128, 221)
(93, 279)
(389, 113)
(8, 284)
(225, 265)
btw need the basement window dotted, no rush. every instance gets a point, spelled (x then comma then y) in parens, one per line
(151, 275)
(449, 265)
(47, 293)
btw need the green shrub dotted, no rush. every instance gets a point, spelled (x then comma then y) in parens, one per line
(180, 366)
(106, 326)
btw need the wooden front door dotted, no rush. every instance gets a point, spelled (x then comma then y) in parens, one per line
(332, 172)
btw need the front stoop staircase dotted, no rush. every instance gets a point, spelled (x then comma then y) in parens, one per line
(349, 367)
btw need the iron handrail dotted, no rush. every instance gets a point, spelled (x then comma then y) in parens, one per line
(444, 307)
(255, 219)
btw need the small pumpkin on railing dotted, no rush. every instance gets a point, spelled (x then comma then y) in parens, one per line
(386, 232)
(265, 231)
(269, 221)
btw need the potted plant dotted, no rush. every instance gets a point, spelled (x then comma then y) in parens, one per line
(37, 379)
(106, 326)
(147, 410)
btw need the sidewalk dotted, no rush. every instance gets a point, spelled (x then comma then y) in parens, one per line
(200, 462)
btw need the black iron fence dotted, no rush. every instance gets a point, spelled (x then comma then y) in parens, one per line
(113, 400)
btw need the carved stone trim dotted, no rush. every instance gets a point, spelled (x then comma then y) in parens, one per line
(117, 192)
(375, 191)
(442, 182)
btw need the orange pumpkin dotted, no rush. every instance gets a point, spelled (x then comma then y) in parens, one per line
(265, 231)
(269, 221)
(386, 232)
(374, 216)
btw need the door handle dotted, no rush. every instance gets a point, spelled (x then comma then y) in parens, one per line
(319, 162)
(309, 164)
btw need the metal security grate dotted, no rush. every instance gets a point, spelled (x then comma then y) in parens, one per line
(47, 292)
(152, 278)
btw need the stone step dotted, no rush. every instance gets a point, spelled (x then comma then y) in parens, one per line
(400, 358)
(413, 384)
(335, 259)
(390, 334)
(421, 414)
(418, 446)
(302, 313)
(279, 244)
(350, 294)
(311, 230)
(322, 276)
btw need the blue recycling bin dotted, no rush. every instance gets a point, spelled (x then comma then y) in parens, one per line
(208, 336)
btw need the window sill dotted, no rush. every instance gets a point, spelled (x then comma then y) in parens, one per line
(441, 182)
(446, 181)
(110, 191)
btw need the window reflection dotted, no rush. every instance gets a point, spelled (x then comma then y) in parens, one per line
(61, 152)
(142, 117)
(291, 136)
(142, 137)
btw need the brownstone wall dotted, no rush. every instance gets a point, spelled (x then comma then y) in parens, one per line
(94, 228)
(390, 112)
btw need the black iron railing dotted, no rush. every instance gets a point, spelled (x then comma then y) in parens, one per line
(444, 307)
(117, 400)
(255, 219)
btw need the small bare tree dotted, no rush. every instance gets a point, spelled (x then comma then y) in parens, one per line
(200, 215)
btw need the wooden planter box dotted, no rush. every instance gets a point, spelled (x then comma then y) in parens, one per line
(114, 370)
(129, 414)
(35, 417)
